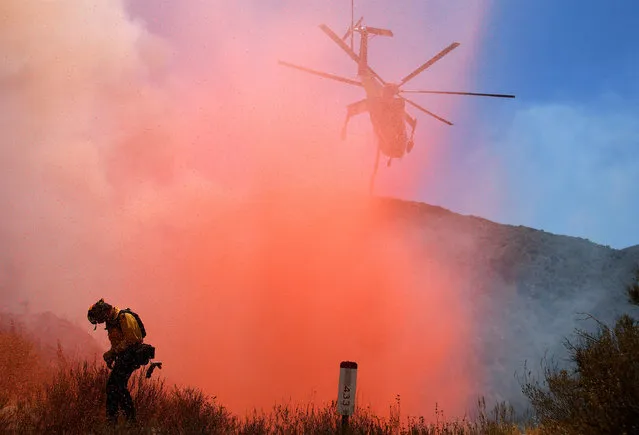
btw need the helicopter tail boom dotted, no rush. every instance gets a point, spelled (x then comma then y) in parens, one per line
(348, 50)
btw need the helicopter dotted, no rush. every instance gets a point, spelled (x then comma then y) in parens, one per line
(384, 102)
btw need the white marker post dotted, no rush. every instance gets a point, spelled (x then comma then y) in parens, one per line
(346, 390)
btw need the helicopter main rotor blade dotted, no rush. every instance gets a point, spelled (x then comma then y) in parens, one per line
(426, 111)
(434, 59)
(347, 49)
(458, 93)
(321, 74)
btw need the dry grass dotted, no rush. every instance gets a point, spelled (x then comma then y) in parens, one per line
(61, 396)
(73, 402)
(598, 396)
(23, 369)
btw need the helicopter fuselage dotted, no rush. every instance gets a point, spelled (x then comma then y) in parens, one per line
(387, 112)
(387, 117)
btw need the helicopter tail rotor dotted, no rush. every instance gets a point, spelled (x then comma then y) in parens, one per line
(377, 31)
(349, 32)
(331, 34)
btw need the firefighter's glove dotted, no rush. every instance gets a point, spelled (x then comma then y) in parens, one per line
(109, 358)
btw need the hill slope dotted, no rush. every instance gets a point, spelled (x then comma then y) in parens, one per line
(526, 288)
(521, 292)
(47, 330)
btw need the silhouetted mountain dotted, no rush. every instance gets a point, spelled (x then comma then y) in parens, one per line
(48, 331)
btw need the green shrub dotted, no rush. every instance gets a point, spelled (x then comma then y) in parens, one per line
(600, 394)
(633, 289)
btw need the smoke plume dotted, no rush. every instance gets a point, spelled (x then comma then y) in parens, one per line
(174, 168)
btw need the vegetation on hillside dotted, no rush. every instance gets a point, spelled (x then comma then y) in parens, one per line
(599, 394)
(71, 400)
(22, 367)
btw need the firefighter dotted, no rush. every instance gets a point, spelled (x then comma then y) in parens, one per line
(126, 334)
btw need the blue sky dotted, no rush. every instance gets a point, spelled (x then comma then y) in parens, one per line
(565, 153)
(573, 140)
(562, 157)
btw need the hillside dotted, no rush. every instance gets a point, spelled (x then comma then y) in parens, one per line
(47, 330)
(526, 287)
(521, 292)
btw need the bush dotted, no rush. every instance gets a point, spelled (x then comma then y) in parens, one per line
(70, 402)
(22, 367)
(633, 289)
(74, 402)
(5, 409)
(186, 410)
(601, 393)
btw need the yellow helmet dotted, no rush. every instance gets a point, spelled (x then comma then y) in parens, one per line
(98, 312)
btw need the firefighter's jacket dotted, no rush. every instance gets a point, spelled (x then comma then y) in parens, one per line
(127, 334)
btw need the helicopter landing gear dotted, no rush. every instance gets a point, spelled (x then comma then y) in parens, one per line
(352, 110)
(411, 143)
(343, 133)
(372, 180)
